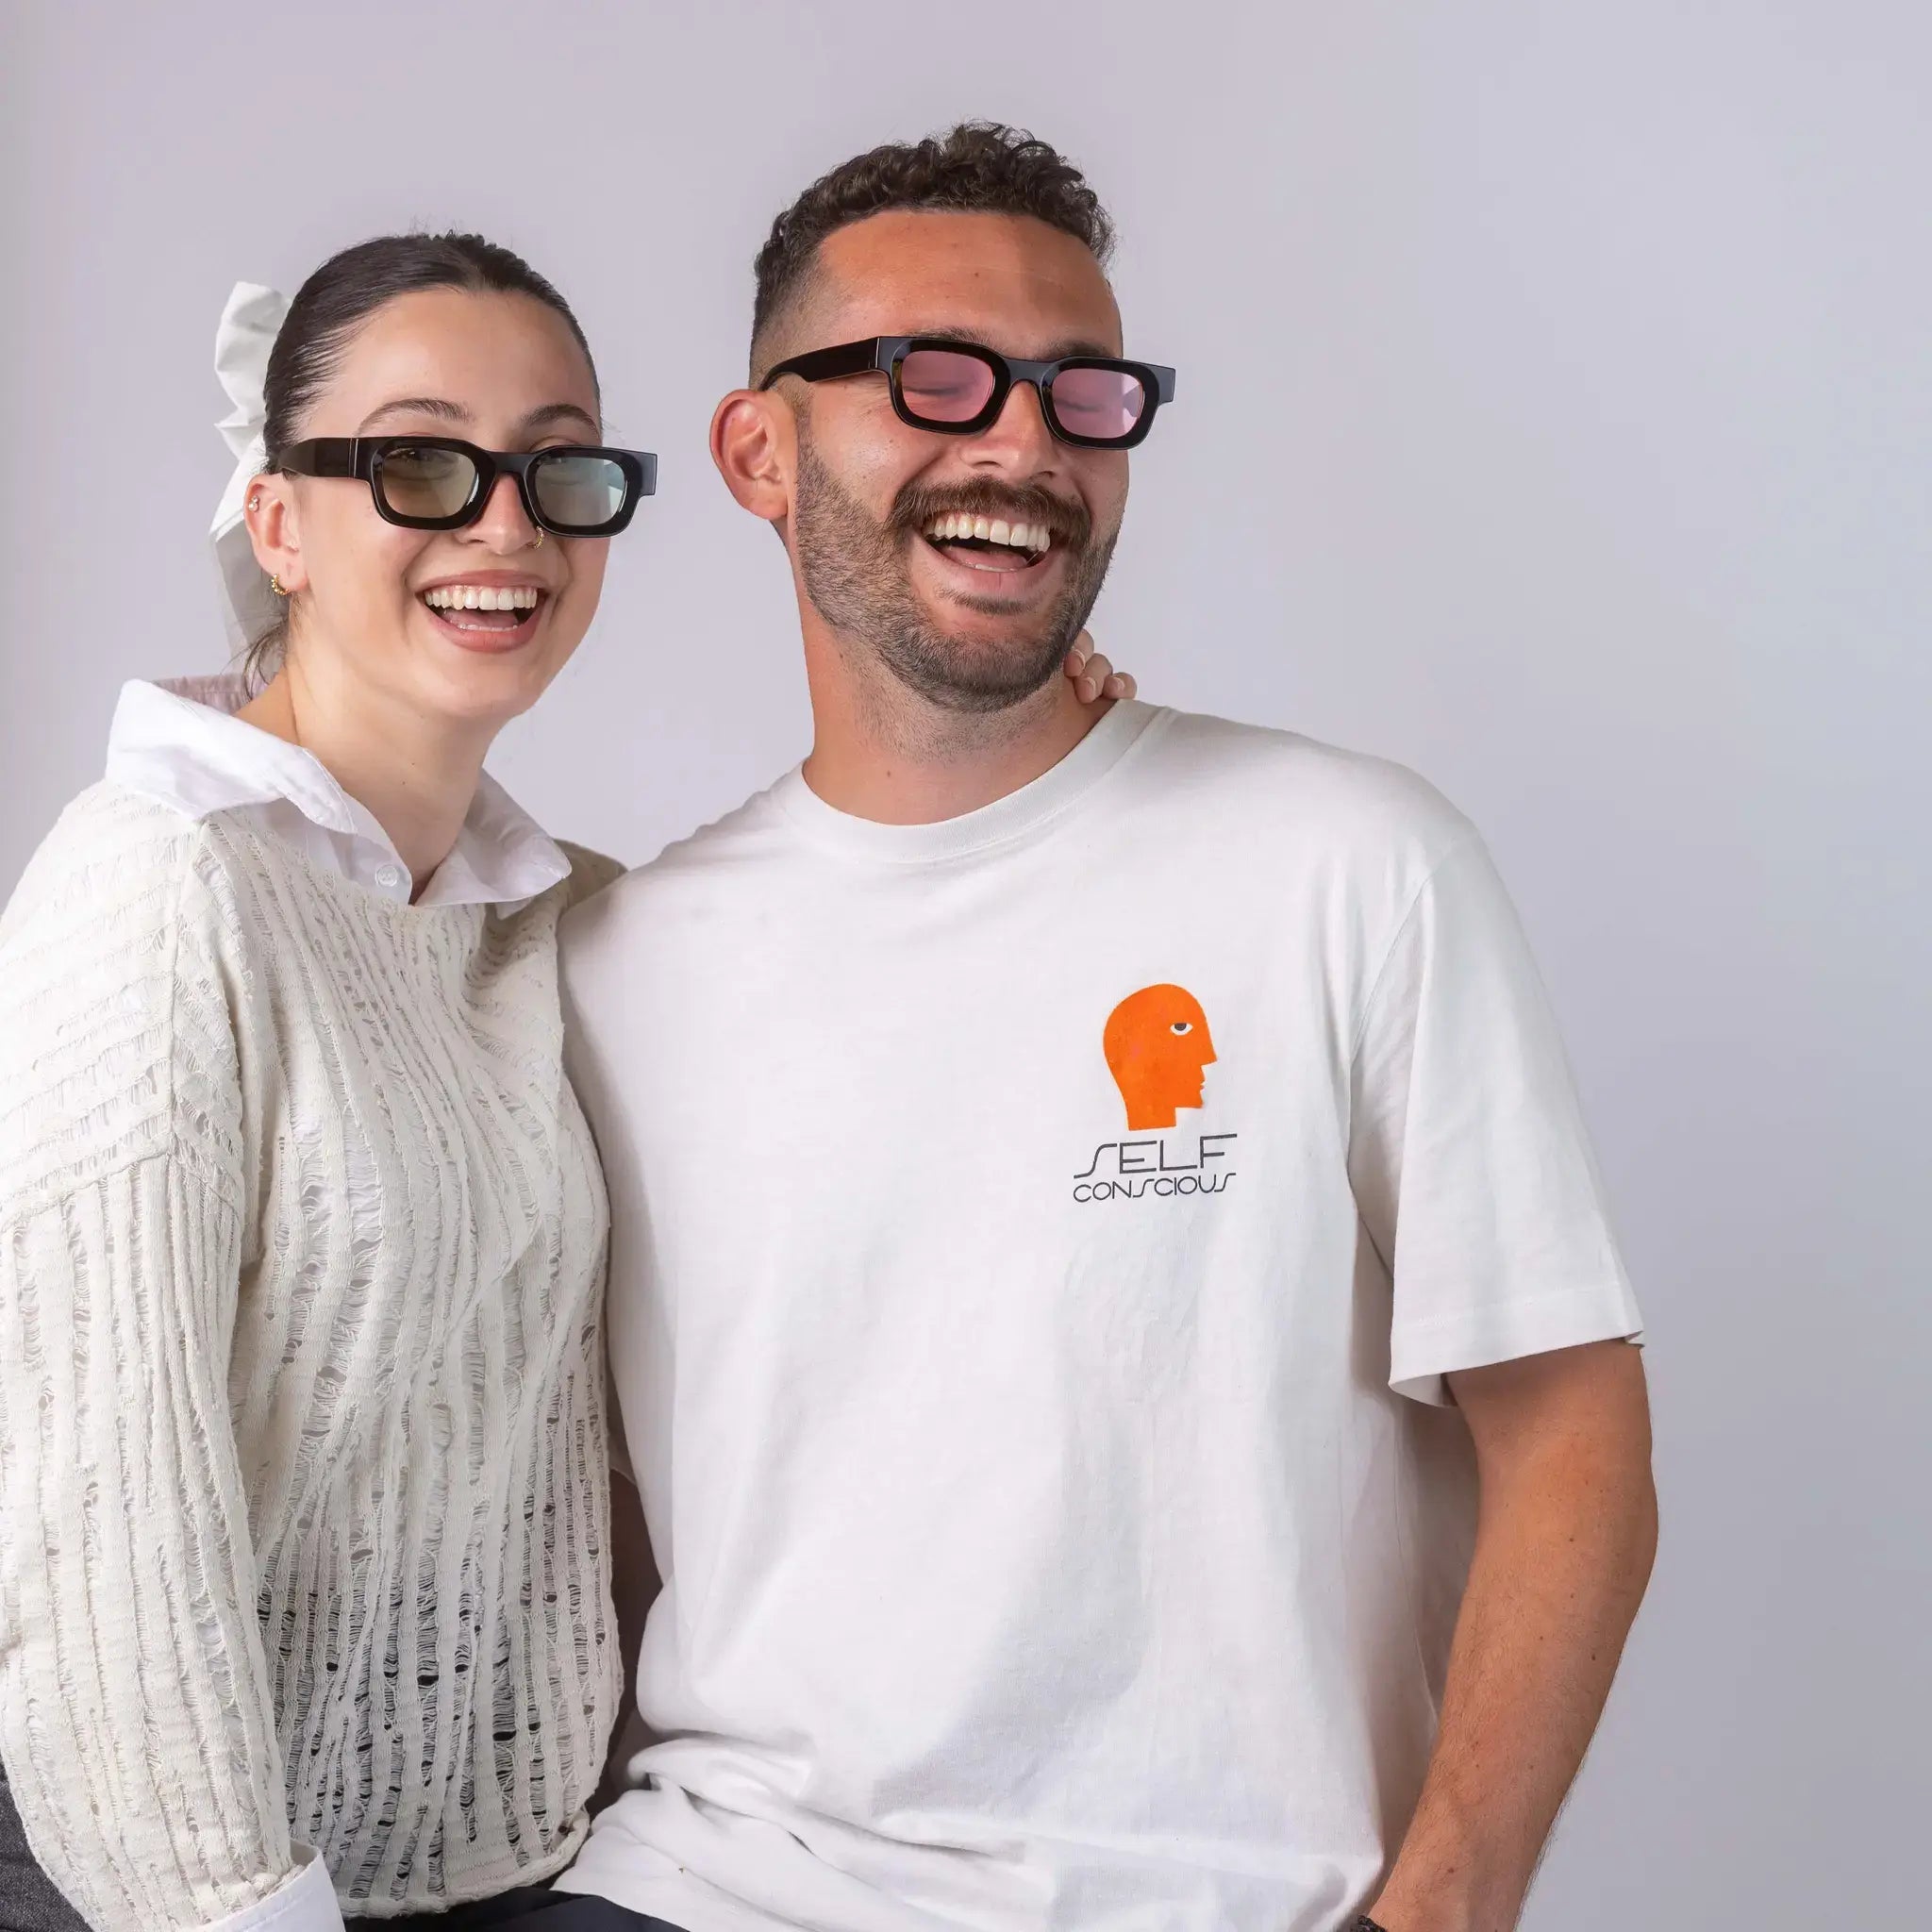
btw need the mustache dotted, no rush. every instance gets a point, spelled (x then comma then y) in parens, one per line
(917, 506)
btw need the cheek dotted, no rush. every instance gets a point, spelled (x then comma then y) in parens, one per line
(1105, 485)
(589, 560)
(576, 604)
(357, 560)
(871, 455)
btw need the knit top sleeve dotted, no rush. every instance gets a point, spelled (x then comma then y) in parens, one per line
(136, 1720)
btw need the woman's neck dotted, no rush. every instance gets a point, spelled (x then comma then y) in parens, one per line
(415, 776)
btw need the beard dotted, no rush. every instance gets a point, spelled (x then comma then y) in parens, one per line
(856, 573)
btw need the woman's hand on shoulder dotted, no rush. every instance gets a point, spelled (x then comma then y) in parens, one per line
(1093, 675)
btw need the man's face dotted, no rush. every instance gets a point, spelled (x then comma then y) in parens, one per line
(970, 630)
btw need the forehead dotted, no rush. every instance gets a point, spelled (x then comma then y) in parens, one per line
(495, 354)
(1012, 281)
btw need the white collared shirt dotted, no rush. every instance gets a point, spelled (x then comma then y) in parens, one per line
(179, 744)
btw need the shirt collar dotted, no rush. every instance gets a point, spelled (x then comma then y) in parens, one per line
(178, 743)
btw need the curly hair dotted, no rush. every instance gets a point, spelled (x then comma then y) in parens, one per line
(979, 167)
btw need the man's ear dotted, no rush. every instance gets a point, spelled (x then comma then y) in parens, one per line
(273, 530)
(755, 446)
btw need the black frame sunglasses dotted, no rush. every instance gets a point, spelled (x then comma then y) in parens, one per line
(364, 457)
(888, 354)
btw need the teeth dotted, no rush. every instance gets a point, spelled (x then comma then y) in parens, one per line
(993, 530)
(481, 597)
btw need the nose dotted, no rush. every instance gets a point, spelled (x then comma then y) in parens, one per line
(1018, 442)
(504, 527)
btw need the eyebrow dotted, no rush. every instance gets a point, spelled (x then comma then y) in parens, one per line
(559, 412)
(416, 406)
(447, 412)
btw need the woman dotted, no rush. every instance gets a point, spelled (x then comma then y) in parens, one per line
(304, 1592)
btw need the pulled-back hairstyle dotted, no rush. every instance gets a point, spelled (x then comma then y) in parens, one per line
(979, 167)
(339, 298)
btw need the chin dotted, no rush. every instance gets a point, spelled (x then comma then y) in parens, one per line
(491, 691)
(991, 629)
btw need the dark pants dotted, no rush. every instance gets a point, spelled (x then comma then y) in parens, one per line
(530, 1911)
(31, 1901)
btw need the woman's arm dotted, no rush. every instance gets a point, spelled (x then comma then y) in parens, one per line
(135, 1715)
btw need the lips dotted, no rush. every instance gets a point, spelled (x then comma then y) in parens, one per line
(1005, 578)
(488, 611)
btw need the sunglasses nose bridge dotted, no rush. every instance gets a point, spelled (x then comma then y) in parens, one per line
(1031, 427)
(506, 522)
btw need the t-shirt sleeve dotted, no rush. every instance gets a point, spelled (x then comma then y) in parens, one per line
(1468, 1155)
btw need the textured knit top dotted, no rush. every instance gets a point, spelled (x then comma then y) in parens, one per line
(303, 1469)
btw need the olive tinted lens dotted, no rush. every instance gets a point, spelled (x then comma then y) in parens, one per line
(943, 385)
(1103, 403)
(579, 491)
(425, 483)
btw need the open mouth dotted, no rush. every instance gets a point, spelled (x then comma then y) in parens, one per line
(989, 544)
(485, 616)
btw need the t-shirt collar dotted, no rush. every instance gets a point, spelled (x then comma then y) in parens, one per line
(1006, 819)
(178, 743)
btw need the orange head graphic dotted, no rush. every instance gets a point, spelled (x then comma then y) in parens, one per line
(1158, 1050)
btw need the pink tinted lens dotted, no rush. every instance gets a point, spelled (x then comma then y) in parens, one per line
(943, 385)
(1100, 403)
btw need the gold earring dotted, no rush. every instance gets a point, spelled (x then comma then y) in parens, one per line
(274, 584)
(538, 544)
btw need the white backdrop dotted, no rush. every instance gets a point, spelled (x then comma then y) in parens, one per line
(1553, 416)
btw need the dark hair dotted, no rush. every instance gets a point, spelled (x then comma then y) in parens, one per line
(342, 294)
(979, 167)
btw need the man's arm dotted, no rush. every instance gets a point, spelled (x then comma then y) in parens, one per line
(1564, 1543)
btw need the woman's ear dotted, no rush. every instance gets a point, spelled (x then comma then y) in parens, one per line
(273, 529)
(754, 445)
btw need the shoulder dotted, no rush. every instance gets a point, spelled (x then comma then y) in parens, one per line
(1360, 796)
(110, 973)
(660, 896)
(114, 862)
(1357, 808)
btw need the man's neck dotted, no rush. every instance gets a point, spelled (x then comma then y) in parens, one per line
(883, 752)
(416, 777)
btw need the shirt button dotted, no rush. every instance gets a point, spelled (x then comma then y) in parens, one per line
(389, 876)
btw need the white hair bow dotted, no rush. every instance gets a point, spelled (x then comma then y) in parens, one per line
(249, 326)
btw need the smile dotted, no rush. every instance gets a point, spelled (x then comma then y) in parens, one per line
(485, 616)
(989, 544)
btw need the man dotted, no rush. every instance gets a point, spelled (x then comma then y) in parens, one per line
(1058, 1467)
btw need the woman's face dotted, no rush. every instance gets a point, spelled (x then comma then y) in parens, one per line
(503, 371)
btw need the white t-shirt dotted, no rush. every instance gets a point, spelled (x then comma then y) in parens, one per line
(1011, 1323)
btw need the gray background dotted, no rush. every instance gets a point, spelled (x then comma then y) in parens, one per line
(1554, 417)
